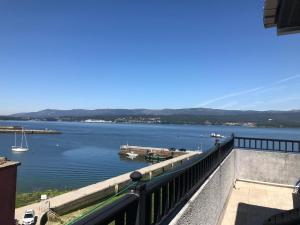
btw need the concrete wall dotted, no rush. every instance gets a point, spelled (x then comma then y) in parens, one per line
(206, 206)
(267, 166)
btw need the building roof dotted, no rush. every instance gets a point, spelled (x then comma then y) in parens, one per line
(283, 14)
(6, 163)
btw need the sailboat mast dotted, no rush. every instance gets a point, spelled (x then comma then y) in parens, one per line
(22, 139)
(15, 138)
(25, 140)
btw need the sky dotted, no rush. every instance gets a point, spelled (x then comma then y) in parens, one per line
(144, 54)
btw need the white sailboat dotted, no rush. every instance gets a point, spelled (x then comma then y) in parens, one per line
(20, 148)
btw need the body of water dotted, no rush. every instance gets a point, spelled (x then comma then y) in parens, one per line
(88, 153)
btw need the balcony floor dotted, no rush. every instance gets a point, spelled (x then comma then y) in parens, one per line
(252, 204)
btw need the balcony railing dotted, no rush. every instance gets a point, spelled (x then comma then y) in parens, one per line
(267, 144)
(158, 201)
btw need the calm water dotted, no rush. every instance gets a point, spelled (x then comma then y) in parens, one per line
(87, 153)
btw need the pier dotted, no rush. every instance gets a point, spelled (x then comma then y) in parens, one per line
(13, 129)
(142, 151)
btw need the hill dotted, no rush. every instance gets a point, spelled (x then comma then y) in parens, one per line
(180, 116)
(129, 112)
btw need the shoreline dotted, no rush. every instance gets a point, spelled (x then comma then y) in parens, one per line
(280, 126)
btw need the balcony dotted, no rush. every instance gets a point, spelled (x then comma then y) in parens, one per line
(254, 203)
(241, 181)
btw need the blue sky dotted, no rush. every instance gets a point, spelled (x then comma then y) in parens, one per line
(144, 54)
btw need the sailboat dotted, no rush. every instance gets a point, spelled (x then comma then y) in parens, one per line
(20, 148)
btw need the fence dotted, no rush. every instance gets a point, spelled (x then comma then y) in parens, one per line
(267, 144)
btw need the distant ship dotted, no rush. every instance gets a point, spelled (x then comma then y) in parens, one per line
(20, 148)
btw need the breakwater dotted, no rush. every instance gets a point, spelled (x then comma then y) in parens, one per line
(13, 129)
(142, 151)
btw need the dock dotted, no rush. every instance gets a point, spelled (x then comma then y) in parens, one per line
(13, 129)
(142, 151)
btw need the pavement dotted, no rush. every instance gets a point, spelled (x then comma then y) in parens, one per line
(253, 203)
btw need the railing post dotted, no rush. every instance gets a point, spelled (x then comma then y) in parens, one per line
(285, 146)
(140, 190)
(141, 213)
(217, 144)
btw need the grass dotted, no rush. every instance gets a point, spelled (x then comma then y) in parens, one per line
(23, 199)
(72, 216)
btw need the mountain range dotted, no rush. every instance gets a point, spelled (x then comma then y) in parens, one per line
(48, 113)
(179, 116)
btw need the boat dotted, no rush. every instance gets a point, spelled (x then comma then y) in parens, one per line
(152, 157)
(20, 148)
(214, 135)
(131, 154)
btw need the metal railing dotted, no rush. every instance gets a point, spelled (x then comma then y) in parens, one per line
(159, 200)
(267, 144)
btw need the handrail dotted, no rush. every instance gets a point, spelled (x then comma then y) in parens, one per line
(127, 204)
(173, 191)
(269, 144)
(157, 201)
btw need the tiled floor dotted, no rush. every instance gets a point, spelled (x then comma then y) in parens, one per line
(252, 204)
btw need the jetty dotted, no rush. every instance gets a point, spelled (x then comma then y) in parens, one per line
(143, 151)
(17, 129)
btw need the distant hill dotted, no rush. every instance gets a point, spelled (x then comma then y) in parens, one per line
(181, 116)
(129, 112)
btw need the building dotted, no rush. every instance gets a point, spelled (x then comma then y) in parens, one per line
(283, 14)
(8, 177)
